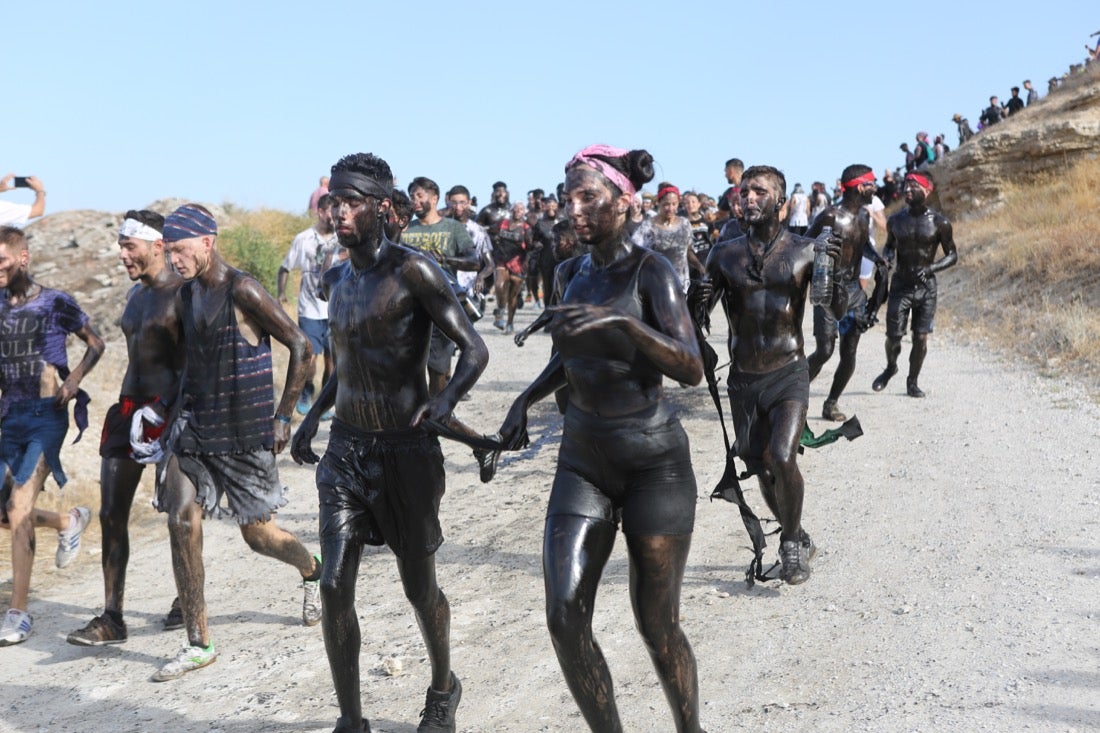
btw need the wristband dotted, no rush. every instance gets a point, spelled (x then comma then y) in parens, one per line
(283, 419)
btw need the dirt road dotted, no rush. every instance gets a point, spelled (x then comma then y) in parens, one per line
(957, 586)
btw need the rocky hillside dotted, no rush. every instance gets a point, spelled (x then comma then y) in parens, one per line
(77, 251)
(1045, 138)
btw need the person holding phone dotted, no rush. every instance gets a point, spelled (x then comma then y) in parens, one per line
(17, 215)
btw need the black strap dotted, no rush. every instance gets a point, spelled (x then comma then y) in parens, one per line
(477, 443)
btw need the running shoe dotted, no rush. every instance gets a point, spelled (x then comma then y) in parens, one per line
(68, 540)
(311, 601)
(187, 660)
(16, 627)
(831, 412)
(100, 631)
(796, 564)
(174, 619)
(438, 715)
(883, 379)
(304, 403)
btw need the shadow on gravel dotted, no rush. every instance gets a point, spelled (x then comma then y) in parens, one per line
(136, 718)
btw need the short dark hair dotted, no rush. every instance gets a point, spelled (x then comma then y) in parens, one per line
(151, 219)
(424, 183)
(402, 205)
(13, 237)
(324, 200)
(767, 171)
(499, 184)
(1016, 89)
(368, 164)
(736, 163)
(458, 191)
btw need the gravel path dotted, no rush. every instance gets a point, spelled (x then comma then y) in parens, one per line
(957, 585)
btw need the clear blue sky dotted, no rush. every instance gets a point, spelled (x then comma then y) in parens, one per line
(115, 104)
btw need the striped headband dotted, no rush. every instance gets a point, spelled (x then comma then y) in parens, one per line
(137, 230)
(189, 221)
(617, 177)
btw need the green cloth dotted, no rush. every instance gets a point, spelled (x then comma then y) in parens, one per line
(850, 429)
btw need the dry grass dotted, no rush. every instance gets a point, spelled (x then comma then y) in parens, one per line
(1029, 273)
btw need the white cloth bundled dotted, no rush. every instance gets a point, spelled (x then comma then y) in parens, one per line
(145, 451)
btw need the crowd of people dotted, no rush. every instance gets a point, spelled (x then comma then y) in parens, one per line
(392, 283)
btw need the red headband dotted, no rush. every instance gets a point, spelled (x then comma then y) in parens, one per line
(925, 183)
(667, 190)
(868, 177)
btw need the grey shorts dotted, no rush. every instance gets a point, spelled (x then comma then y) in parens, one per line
(440, 352)
(249, 482)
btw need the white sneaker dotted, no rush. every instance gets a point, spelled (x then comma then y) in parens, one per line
(16, 627)
(187, 660)
(68, 540)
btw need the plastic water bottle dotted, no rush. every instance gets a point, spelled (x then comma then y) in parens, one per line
(821, 285)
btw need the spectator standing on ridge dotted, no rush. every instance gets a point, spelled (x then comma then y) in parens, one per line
(1014, 104)
(992, 114)
(17, 215)
(924, 154)
(1032, 95)
(963, 126)
(910, 157)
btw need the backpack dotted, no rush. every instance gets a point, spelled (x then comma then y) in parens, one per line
(929, 152)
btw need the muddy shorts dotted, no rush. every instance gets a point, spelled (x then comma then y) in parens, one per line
(634, 470)
(114, 441)
(248, 482)
(752, 397)
(33, 429)
(856, 314)
(382, 489)
(911, 297)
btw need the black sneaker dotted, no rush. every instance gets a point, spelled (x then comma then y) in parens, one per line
(883, 379)
(438, 715)
(100, 631)
(796, 564)
(487, 463)
(912, 389)
(174, 619)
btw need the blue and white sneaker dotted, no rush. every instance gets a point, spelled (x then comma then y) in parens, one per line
(68, 540)
(16, 627)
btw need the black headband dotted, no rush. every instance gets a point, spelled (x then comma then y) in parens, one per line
(358, 182)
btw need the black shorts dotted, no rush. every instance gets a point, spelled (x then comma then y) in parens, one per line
(856, 313)
(635, 469)
(752, 397)
(918, 297)
(382, 489)
(440, 352)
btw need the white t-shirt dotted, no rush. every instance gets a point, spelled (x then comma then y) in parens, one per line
(307, 253)
(482, 247)
(14, 215)
(867, 267)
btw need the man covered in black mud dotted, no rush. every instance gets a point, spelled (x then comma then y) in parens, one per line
(382, 479)
(914, 236)
(762, 280)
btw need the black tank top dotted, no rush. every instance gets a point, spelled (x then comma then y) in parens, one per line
(228, 386)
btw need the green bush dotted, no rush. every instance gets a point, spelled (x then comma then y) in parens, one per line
(246, 248)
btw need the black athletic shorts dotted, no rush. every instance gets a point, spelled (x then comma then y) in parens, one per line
(382, 489)
(918, 297)
(826, 325)
(635, 469)
(752, 397)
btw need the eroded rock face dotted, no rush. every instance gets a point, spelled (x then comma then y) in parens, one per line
(1047, 137)
(77, 251)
